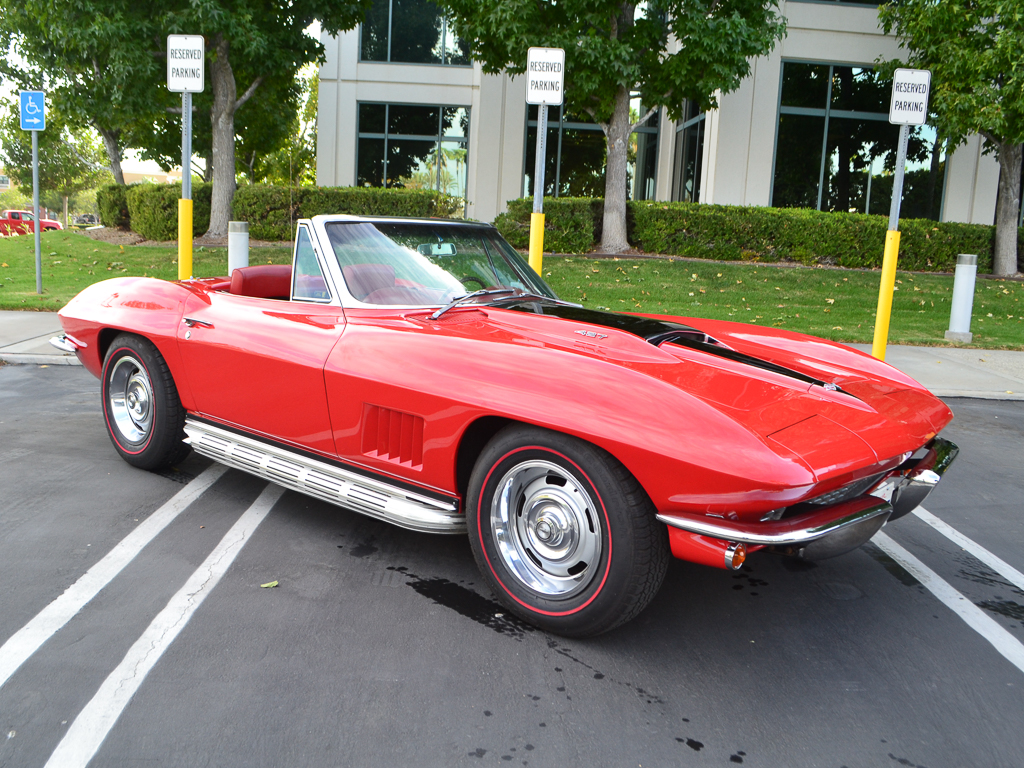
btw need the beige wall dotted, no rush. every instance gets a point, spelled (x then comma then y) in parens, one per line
(739, 144)
(497, 118)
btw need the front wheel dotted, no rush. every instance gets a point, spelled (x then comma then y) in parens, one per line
(563, 533)
(145, 418)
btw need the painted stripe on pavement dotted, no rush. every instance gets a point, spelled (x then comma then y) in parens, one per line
(1004, 569)
(94, 722)
(975, 618)
(27, 640)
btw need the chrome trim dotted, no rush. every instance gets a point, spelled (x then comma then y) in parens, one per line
(64, 344)
(784, 532)
(325, 481)
(730, 553)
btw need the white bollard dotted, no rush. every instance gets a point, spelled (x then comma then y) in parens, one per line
(963, 298)
(238, 245)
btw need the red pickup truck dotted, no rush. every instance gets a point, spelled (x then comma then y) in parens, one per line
(23, 223)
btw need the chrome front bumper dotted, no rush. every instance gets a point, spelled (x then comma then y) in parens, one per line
(832, 530)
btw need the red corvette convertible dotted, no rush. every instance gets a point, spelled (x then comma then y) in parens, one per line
(419, 372)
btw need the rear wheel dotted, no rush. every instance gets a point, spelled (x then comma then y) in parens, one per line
(563, 533)
(144, 416)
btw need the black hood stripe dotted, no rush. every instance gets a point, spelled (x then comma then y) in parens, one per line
(658, 332)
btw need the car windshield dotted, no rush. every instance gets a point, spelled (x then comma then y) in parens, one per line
(426, 263)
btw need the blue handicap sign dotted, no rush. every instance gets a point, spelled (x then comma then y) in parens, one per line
(33, 111)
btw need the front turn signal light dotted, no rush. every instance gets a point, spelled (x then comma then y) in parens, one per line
(735, 556)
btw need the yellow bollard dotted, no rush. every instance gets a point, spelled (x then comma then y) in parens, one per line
(537, 242)
(184, 239)
(885, 291)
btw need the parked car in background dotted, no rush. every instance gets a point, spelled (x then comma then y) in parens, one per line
(418, 371)
(86, 219)
(23, 223)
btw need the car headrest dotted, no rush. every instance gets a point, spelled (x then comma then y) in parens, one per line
(364, 279)
(265, 281)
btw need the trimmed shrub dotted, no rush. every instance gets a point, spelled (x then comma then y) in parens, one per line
(734, 233)
(153, 209)
(569, 223)
(729, 232)
(113, 204)
(272, 210)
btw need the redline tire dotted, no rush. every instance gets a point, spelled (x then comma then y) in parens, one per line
(563, 534)
(143, 413)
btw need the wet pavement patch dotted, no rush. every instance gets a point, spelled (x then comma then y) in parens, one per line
(468, 603)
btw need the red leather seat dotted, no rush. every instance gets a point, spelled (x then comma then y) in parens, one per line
(264, 281)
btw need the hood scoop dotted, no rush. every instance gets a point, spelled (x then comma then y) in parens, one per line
(658, 332)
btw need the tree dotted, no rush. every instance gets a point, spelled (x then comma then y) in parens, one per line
(114, 52)
(97, 56)
(70, 161)
(667, 50)
(977, 63)
(291, 159)
(265, 38)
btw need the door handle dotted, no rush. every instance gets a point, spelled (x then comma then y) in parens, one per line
(192, 323)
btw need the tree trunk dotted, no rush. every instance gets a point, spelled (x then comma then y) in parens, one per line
(613, 233)
(112, 143)
(65, 211)
(1007, 209)
(225, 94)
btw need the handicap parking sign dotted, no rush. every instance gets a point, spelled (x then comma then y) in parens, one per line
(33, 111)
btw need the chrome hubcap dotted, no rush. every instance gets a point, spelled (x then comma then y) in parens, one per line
(546, 529)
(130, 396)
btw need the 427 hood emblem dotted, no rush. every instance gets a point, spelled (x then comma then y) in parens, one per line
(592, 334)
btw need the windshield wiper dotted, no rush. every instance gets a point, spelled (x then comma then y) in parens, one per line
(469, 296)
(501, 295)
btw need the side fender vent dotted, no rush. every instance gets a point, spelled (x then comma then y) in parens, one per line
(392, 436)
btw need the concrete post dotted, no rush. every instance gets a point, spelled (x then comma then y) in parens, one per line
(238, 245)
(963, 298)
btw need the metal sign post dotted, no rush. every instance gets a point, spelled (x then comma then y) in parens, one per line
(33, 118)
(545, 72)
(909, 106)
(185, 75)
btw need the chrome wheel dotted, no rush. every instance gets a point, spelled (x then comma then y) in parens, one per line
(130, 399)
(546, 529)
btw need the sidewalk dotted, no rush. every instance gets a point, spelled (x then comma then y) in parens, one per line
(946, 371)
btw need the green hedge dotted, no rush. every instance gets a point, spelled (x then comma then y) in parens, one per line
(729, 232)
(271, 210)
(113, 204)
(571, 224)
(153, 209)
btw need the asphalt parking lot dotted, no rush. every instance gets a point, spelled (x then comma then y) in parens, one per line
(380, 647)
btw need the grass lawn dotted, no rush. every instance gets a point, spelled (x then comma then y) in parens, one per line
(72, 261)
(831, 303)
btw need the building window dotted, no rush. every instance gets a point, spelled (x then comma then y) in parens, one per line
(689, 154)
(412, 146)
(410, 32)
(577, 151)
(835, 149)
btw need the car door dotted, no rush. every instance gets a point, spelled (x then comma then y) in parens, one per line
(257, 363)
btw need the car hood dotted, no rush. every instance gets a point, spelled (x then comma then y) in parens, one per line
(830, 406)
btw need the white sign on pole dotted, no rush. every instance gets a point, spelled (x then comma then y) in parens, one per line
(910, 88)
(185, 70)
(545, 72)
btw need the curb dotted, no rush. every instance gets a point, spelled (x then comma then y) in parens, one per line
(17, 358)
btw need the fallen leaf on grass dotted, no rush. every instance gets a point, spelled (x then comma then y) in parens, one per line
(269, 585)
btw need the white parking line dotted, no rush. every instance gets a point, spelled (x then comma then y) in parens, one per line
(1004, 569)
(27, 640)
(94, 722)
(976, 619)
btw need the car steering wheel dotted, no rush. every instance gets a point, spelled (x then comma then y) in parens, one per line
(472, 279)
